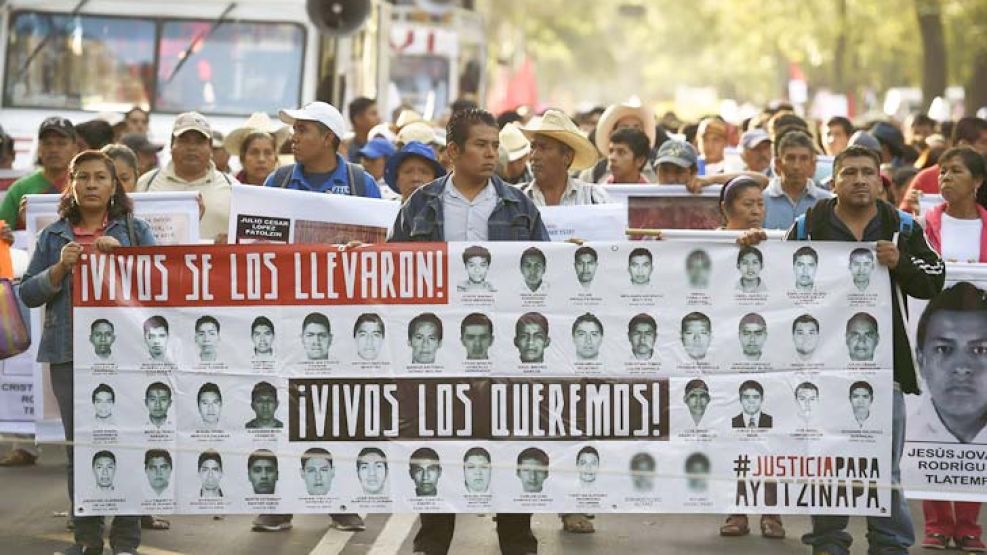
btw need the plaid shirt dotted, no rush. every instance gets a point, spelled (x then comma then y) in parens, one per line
(576, 193)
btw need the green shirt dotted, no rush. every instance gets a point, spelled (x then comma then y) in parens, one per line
(32, 184)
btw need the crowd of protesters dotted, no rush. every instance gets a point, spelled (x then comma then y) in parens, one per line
(469, 164)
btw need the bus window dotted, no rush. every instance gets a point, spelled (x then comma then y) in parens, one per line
(78, 62)
(239, 68)
(422, 82)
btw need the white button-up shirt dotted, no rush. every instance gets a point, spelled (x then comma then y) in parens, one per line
(466, 220)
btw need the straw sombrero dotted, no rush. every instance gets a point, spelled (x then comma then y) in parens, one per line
(558, 126)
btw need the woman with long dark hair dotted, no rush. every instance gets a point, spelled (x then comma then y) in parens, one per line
(94, 215)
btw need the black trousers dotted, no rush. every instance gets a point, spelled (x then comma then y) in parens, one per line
(513, 533)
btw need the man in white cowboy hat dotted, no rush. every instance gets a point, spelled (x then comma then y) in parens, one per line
(192, 169)
(318, 131)
(558, 147)
(514, 151)
(620, 116)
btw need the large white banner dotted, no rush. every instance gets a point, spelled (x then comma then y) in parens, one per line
(273, 215)
(543, 377)
(946, 441)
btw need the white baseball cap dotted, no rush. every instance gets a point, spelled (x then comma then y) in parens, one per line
(321, 112)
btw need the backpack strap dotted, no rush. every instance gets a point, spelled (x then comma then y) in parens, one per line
(357, 182)
(599, 169)
(227, 178)
(282, 175)
(801, 234)
(153, 177)
(906, 223)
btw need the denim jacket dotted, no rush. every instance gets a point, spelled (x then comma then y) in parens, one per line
(515, 218)
(36, 288)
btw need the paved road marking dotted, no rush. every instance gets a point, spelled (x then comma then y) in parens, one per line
(394, 533)
(333, 541)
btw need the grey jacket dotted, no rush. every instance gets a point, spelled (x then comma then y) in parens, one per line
(36, 288)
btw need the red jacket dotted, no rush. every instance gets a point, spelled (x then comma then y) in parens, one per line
(933, 228)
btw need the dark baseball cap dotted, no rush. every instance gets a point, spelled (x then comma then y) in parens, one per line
(59, 125)
(139, 143)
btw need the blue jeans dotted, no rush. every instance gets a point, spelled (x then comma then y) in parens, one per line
(125, 533)
(885, 535)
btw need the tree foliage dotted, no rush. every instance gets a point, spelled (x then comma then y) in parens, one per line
(743, 48)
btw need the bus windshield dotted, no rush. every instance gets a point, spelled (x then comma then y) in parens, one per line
(107, 63)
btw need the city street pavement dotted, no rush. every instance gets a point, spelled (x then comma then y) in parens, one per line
(32, 497)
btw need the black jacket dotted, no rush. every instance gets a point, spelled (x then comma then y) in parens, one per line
(920, 272)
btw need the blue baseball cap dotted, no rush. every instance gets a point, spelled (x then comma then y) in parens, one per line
(414, 148)
(377, 147)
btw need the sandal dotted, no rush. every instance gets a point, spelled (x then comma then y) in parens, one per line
(736, 525)
(151, 522)
(772, 528)
(577, 523)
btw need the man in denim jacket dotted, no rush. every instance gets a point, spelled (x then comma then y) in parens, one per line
(471, 204)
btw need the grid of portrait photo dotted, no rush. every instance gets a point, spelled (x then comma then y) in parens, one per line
(552, 377)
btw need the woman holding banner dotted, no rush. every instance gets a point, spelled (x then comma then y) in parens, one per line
(957, 230)
(94, 214)
(742, 207)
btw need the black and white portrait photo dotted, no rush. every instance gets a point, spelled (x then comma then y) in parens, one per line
(477, 470)
(587, 466)
(862, 264)
(262, 337)
(207, 338)
(210, 403)
(317, 471)
(951, 351)
(102, 336)
(104, 400)
(587, 336)
(425, 338)
(750, 263)
(531, 337)
(156, 338)
(104, 472)
(264, 403)
(696, 399)
(371, 471)
(806, 400)
(210, 474)
(157, 467)
(262, 472)
(805, 337)
(532, 469)
(861, 337)
(476, 259)
(697, 469)
(751, 400)
(642, 332)
(861, 399)
(696, 335)
(533, 266)
(698, 269)
(642, 469)
(316, 336)
(425, 470)
(368, 332)
(753, 333)
(805, 262)
(476, 335)
(585, 263)
(640, 265)
(157, 399)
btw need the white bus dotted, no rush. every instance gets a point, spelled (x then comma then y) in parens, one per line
(226, 59)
